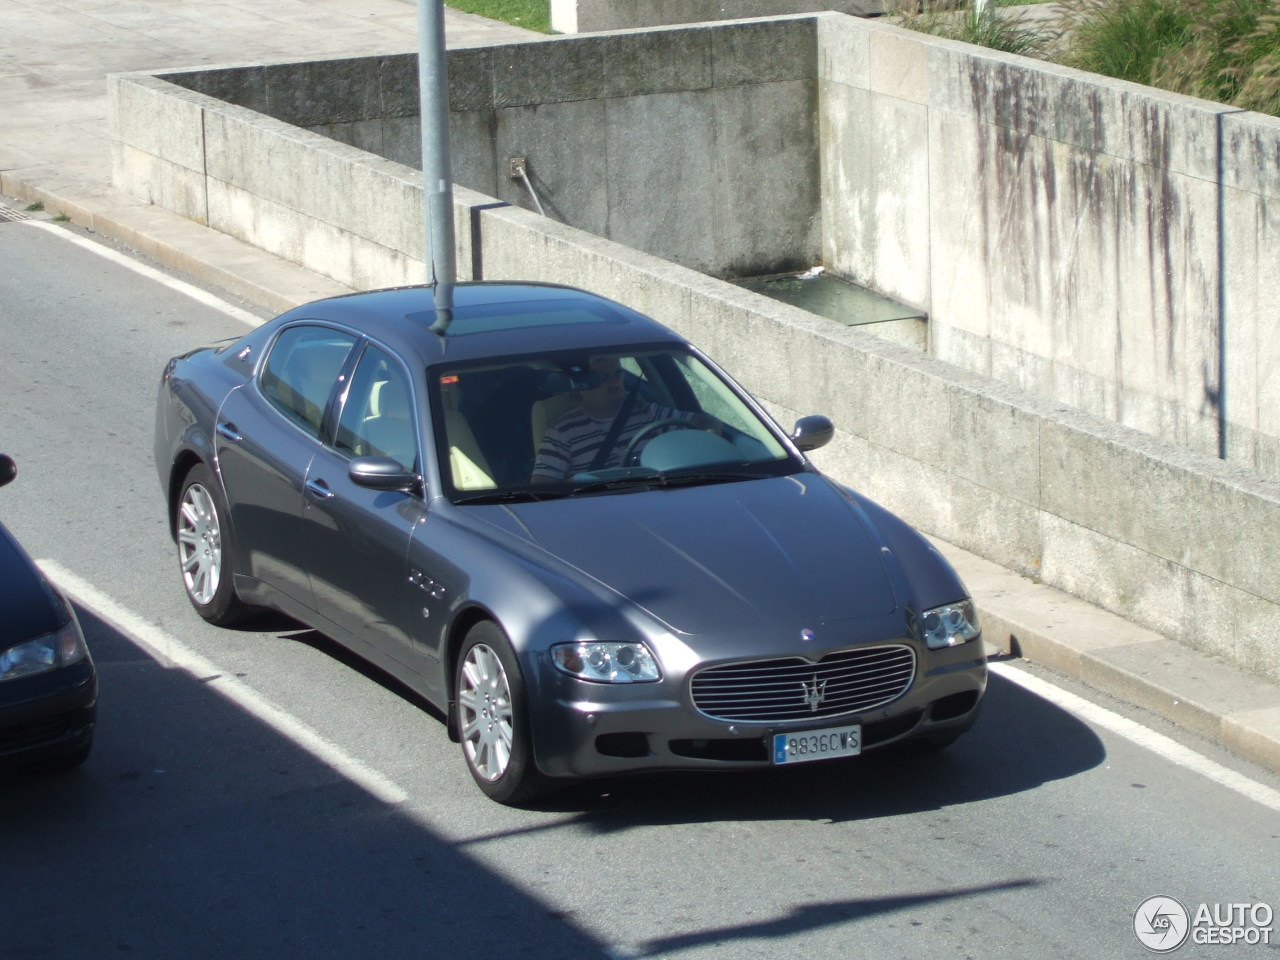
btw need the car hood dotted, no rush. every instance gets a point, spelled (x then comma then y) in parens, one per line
(29, 609)
(783, 553)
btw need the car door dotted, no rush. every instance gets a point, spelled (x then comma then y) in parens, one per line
(266, 435)
(358, 539)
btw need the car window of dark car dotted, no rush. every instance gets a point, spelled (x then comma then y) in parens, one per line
(377, 417)
(302, 370)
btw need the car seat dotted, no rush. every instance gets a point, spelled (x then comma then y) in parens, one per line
(468, 466)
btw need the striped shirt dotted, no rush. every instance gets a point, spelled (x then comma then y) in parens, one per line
(570, 444)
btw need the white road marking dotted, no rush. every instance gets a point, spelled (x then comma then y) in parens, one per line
(1144, 737)
(180, 286)
(171, 653)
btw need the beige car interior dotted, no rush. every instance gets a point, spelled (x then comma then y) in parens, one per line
(466, 461)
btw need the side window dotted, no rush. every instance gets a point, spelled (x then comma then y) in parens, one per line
(302, 370)
(377, 418)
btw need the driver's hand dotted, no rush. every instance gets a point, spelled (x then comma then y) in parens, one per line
(704, 421)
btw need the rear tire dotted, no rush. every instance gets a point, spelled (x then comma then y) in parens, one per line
(206, 549)
(492, 719)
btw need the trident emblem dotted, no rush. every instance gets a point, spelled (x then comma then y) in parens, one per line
(814, 693)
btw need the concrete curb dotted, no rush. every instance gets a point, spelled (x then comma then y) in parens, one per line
(1078, 640)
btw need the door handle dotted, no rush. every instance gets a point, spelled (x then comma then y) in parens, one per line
(319, 489)
(228, 431)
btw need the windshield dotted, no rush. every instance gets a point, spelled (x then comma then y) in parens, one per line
(563, 424)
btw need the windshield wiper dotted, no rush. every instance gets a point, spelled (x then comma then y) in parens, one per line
(704, 477)
(665, 480)
(620, 483)
(510, 496)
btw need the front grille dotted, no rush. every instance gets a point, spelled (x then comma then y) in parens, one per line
(793, 688)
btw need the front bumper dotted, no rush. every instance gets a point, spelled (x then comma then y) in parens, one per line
(49, 715)
(583, 729)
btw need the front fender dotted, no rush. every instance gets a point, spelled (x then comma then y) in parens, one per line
(930, 576)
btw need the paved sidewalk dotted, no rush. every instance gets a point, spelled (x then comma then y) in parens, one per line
(55, 148)
(54, 116)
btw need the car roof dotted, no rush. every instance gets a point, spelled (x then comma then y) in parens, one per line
(488, 320)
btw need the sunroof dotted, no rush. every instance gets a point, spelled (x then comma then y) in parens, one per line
(522, 314)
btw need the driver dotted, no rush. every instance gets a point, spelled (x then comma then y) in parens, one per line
(572, 444)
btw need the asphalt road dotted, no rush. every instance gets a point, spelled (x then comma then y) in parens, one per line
(262, 794)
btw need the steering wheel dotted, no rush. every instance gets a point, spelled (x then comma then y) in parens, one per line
(646, 430)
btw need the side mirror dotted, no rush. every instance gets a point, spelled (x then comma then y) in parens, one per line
(8, 469)
(380, 473)
(813, 432)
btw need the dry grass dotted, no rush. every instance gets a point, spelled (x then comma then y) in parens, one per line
(1223, 50)
(997, 30)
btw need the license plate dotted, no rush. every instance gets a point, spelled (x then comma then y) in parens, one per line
(805, 745)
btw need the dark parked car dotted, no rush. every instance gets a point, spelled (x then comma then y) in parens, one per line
(561, 523)
(48, 685)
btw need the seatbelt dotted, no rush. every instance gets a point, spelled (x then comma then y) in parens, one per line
(615, 428)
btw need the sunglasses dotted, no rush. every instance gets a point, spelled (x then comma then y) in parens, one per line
(597, 378)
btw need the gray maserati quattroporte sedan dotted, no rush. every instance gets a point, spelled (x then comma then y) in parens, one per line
(561, 523)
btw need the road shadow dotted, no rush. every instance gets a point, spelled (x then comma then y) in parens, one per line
(297, 633)
(197, 831)
(1019, 742)
(249, 845)
(818, 915)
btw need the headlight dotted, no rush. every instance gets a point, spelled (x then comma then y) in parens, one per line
(949, 626)
(61, 648)
(606, 662)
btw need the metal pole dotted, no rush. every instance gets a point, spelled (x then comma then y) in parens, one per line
(437, 173)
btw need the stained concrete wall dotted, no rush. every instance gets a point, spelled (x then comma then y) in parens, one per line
(1183, 544)
(699, 146)
(1166, 537)
(1101, 243)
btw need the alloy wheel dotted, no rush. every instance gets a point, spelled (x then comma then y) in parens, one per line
(199, 544)
(484, 698)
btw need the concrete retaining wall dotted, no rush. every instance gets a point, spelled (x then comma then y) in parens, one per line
(1182, 544)
(699, 146)
(1166, 537)
(326, 205)
(1101, 243)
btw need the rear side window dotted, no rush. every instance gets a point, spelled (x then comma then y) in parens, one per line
(302, 370)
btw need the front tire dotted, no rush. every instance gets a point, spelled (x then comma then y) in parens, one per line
(205, 549)
(492, 719)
